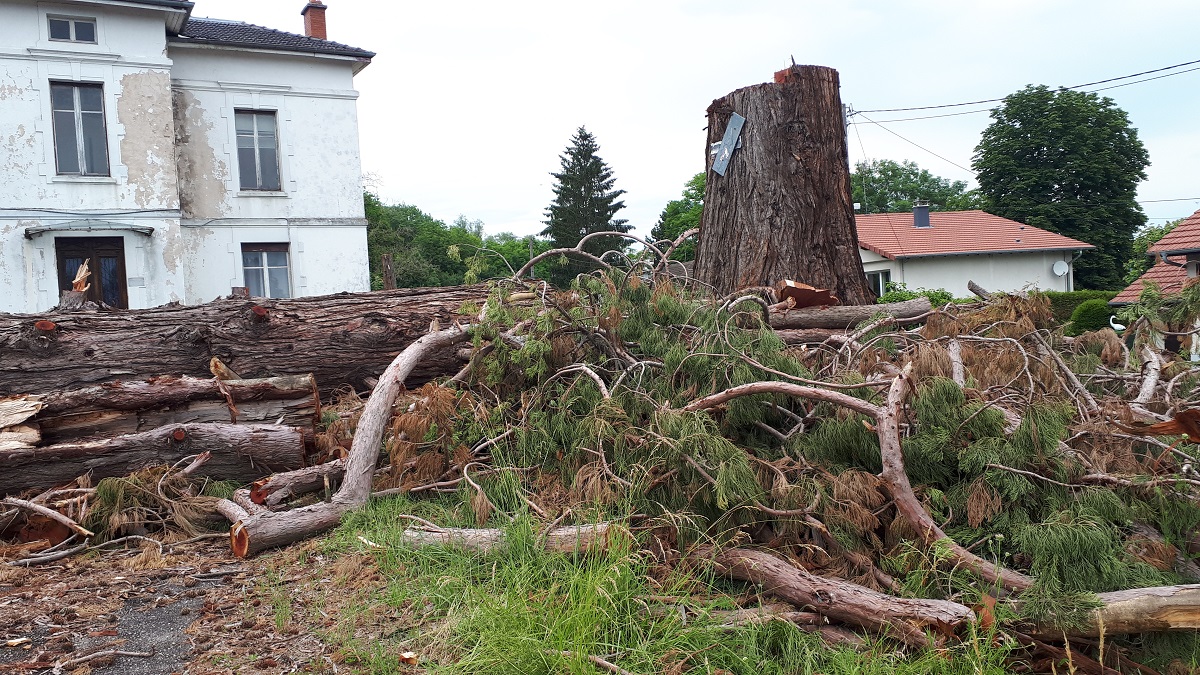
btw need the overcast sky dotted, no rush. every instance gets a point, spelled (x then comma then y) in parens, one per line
(469, 104)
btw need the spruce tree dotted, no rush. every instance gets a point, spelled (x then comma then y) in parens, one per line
(584, 202)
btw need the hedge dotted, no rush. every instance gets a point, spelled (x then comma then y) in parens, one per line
(1063, 303)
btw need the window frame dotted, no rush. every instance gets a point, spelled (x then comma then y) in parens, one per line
(263, 248)
(72, 21)
(257, 137)
(78, 117)
(93, 249)
(884, 276)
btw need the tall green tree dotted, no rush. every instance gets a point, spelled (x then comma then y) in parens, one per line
(1069, 162)
(585, 201)
(886, 186)
(681, 215)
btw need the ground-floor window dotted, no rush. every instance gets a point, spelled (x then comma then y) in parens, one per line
(106, 266)
(878, 281)
(265, 269)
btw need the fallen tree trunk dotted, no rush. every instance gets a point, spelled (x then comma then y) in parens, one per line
(280, 528)
(1137, 610)
(239, 451)
(341, 339)
(131, 406)
(278, 488)
(841, 317)
(571, 539)
(904, 619)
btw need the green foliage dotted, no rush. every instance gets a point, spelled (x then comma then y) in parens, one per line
(584, 202)
(898, 291)
(681, 215)
(427, 252)
(1063, 303)
(1140, 260)
(1069, 162)
(886, 186)
(1090, 315)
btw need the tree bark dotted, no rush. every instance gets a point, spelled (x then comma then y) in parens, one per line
(905, 619)
(267, 530)
(1137, 610)
(571, 539)
(847, 316)
(783, 208)
(278, 488)
(341, 339)
(239, 452)
(131, 406)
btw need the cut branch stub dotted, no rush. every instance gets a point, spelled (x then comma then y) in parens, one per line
(258, 314)
(44, 326)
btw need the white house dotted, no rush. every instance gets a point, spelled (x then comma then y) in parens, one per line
(182, 157)
(946, 249)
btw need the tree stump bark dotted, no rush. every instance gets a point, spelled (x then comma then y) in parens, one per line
(783, 208)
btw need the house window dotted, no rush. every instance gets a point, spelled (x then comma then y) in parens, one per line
(258, 150)
(64, 29)
(878, 281)
(105, 257)
(265, 269)
(80, 139)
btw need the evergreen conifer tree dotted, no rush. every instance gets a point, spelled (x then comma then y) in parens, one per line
(584, 202)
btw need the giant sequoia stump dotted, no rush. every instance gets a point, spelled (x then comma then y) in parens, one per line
(783, 208)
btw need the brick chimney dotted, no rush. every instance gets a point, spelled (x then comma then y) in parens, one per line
(314, 19)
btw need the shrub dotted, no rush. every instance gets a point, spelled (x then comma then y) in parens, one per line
(1090, 315)
(1063, 303)
(897, 291)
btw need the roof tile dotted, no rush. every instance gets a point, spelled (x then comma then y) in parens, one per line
(1184, 238)
(1168, 277)
(238, 34)
(893, 235)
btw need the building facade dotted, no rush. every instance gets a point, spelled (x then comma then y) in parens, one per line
(180, 157)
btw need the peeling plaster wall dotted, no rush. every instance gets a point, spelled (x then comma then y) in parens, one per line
(129, 61)
(202, 176)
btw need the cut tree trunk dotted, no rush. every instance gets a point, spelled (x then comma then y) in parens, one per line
(904, 619)
(783, 208)
(341, 339)
(1137, 610)
(278, 488)
(847, 316)
(131, 406)
(239, 452)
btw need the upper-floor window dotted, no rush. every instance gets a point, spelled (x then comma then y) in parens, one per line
(80, 139)
(258, 149)
(66, 29)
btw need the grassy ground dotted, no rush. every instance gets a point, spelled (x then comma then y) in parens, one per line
(524, 610)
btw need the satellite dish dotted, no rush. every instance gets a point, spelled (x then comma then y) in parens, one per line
(1060, 268)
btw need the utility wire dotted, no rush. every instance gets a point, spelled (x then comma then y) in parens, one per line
(916, 144)
(1078, 86)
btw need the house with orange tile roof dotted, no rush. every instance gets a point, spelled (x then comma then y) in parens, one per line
(1177, 256)
(946, 249)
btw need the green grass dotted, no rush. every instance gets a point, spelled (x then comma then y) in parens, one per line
(518, 610)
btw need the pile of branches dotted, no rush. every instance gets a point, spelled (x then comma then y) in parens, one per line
(916, 477)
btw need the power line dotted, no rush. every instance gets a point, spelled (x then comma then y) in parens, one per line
(917, 144)
(1078, 86)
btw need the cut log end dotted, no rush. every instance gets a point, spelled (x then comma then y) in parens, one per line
(239, 540)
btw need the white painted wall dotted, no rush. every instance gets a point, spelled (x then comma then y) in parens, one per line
(1004, 272)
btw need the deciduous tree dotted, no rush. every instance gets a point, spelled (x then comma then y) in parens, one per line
(887, 186)
(1069, 162)
(681, 215)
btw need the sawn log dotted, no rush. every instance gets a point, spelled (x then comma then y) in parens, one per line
(239, 452)
(346, 338)
(841, 317)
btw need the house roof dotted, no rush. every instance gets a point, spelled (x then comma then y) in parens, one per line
(1168, 277)
(239, 34)
(893, 236)
(1185, 238)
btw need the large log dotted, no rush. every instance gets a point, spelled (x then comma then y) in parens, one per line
(841, 317)
(1137, 610)
(131, 406)
(239, 452)
(783, 208)
(909, 620)
(347, 338)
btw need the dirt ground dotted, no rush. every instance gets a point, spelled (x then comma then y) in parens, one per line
(193, 611)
